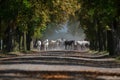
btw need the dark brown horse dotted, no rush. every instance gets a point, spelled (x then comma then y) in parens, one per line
(69, 44)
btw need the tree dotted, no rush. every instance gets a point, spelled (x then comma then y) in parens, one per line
(100, 20)
(29, 19)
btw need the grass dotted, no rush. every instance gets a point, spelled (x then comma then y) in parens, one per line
(118, 58)
(97, 52)
(4, 54)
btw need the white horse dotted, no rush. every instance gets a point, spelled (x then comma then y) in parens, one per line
(82, 45)
(61, 43)
(38, 45)
(86, 44)
(54, 44)
(46, 44)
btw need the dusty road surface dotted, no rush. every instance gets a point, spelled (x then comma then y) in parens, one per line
(59, 65)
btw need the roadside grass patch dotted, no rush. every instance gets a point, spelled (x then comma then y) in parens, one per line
(97, 52)
(118, 58)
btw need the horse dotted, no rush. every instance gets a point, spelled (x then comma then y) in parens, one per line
(38, 44)
(69, 44)
(60, 43)
(79, 45)
(53, 44)
(46, 44)
(82, 44)
(86, 44)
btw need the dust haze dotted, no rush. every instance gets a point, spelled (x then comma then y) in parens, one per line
(68, 30)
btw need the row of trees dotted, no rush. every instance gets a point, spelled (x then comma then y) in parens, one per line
(100, 20)
(24, 20)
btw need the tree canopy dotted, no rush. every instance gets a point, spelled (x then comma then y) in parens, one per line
(29, 18)
(24, 20)
(100, 20)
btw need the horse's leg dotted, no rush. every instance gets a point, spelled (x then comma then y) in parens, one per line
(84, 47)
(45, 47)
(39, 47)
(69, 47)
(72, 47)
(78, 46)
(81, 47)
(65, 47)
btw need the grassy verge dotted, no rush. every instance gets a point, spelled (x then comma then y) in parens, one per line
(97, 52)
(4, 54)
(118, 58)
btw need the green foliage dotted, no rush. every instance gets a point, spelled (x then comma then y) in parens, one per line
(30, 18)
(99, 10)
(100, 21)
(107, 27)
(27, 3)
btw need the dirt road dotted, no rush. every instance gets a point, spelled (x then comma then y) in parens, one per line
(68, 67)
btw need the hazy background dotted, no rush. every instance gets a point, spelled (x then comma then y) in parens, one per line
(69, 30)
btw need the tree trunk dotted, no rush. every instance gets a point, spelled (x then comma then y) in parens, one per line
(92, 44)
(21, 43)
(113, 38)
(96, 41)
(1, 44)
(116, 35)
(99, 31)
(28, 41)
(104, 41)
(8, 40)
(99, 40)
(24, 37)
(110, 42)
